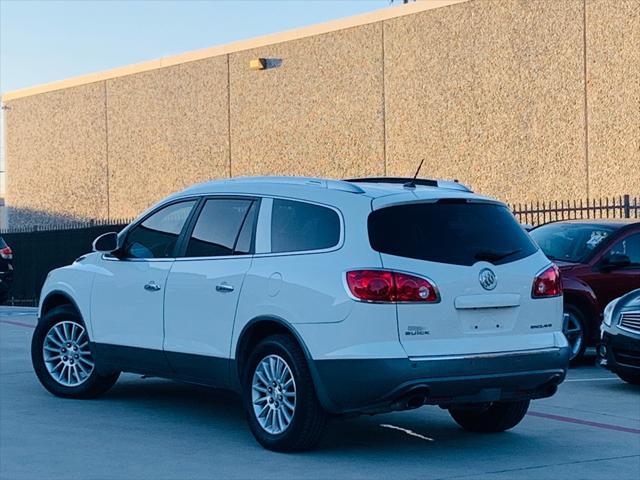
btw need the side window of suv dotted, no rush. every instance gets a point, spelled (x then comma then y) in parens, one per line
(157, 235)
(299, 226)
(224, 227)
(629, 247)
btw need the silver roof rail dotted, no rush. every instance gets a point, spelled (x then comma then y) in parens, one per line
(425, 182)
(309, 181)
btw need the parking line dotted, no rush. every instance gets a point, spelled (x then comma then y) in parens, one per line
(407, 431)
(588, 423)
(599, 379)
(19, 324)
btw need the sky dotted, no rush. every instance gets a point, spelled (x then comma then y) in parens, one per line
(44, 41)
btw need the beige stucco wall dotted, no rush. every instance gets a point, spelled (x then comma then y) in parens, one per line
(613, 106)
(55, 146)
(318, 113)
(490, 93)
(167, 129)
(493, 93)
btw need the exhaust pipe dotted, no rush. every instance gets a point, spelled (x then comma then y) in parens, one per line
(414, 399)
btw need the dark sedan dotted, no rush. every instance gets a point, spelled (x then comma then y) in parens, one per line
(620, 347)
(599, 261)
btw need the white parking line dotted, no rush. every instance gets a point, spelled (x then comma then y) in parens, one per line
(407, 431)
(592, 379)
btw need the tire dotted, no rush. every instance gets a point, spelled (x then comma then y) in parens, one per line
(307, 420)
(575, 330)
(633, 379)
(86, 382)
(493, 418)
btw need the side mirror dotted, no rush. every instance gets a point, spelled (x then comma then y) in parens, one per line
(107, 242)
(615, 260)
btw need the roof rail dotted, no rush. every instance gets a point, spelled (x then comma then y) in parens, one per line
(295, 180)
(425, 182)
(400, 180)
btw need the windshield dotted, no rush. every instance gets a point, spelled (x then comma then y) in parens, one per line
(450, 231)
(570, 242)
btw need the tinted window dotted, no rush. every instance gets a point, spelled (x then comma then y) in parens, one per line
(459, 233)
(630, 247)
(156, 237)
(245, 239)
(298, 226)
(571, 242)
(217, 227)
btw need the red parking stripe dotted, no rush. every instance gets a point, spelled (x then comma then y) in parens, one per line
(19, 324)
(606, 426)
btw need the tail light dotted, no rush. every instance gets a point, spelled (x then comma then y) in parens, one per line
(388, 287)
(6, 253)
(547, 283)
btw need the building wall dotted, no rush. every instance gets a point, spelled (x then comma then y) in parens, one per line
(167, 129)
(490, 93)
(56, 156)
(523, 100)
(613, 100)
(319, 112)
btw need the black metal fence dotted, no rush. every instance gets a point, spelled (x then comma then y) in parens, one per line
(539, 213)
(36, 251)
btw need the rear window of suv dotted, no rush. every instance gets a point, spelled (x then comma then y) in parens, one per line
(450, 231)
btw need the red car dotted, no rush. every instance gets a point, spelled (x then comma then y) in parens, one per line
(599, 261)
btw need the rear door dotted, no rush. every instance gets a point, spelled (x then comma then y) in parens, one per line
(482, 263)
(203, 288)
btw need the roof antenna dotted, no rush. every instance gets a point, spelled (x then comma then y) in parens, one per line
(412, 183)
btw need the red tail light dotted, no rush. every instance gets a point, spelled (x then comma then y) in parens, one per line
(6, 253)
(548, 283)
(388, 286)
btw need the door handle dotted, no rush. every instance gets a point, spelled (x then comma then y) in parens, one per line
(152, 286)
(224, 287)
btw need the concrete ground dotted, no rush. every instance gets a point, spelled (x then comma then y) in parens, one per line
(158, 429)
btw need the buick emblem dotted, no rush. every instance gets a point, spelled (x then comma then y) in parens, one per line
(487, 279)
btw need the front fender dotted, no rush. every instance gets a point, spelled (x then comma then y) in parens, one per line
(73, 282)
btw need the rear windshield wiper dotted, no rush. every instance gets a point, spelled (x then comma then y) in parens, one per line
(492, 256)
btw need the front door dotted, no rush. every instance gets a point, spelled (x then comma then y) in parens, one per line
(203, 289)
(127, 294)
(612, 281)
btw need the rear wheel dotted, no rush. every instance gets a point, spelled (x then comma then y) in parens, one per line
(491, 417)
(279, 398)
(574, 328)
(62, 359)
(633, 379)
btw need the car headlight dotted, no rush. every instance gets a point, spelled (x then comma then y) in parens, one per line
(608, 312)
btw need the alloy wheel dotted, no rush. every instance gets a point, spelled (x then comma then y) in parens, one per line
(66, 354)
(273, 394)
(574, 331)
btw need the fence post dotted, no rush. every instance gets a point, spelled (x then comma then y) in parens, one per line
(626, 204)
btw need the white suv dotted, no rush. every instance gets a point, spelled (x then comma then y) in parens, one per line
(315, 298)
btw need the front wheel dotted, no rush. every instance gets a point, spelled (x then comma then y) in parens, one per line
(62, 358)
(491, 417)
(279, 398)
(574, 329)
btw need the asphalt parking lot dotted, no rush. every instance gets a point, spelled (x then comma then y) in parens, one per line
(159, 429)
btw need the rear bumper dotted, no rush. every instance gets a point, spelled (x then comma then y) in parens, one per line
(379, 385)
